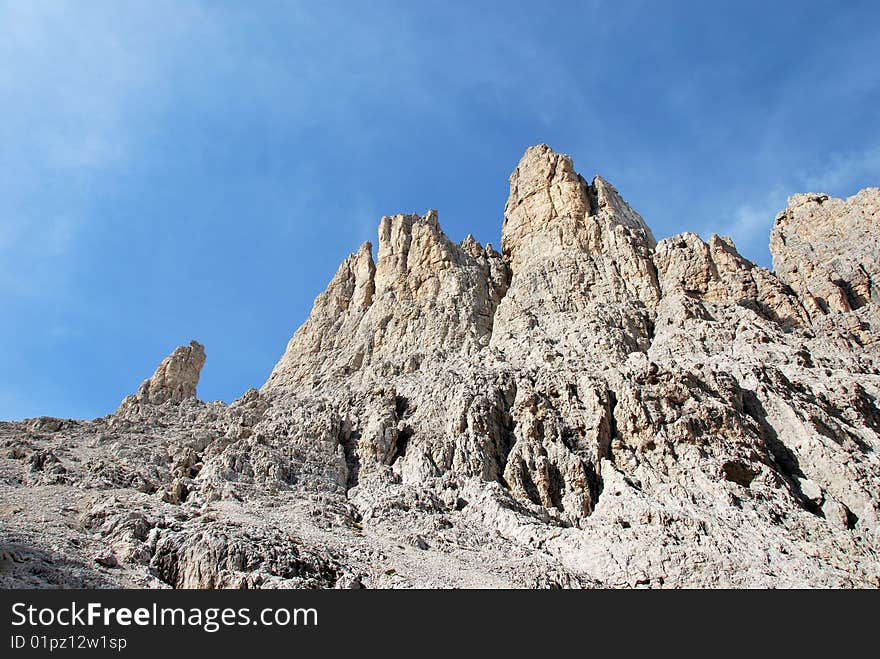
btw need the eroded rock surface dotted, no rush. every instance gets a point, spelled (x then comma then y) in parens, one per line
(175, 379)
(826, 250)
(587, 407)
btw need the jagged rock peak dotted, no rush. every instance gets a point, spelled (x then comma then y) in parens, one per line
(578, 256)
(714, 271)
(608, 199)
(353, 284)
(425, 298)
(547, 194)
(412, 251)
(175, 379)
(826, 249)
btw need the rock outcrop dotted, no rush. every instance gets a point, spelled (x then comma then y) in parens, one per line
(175, 379)
(826, 250)
(582, 279)
(586, 407)
(425, 298)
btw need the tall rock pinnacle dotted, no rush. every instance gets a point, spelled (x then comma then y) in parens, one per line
(424, 299)
(547, 194)
(175, 379)
(580, 257)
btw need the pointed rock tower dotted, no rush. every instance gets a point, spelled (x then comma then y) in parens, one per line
(175, 379)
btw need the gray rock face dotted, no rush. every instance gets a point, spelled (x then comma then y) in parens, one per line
(588, 407)
(426, 298)
(175, 379)
(582, 279)
(826, 250)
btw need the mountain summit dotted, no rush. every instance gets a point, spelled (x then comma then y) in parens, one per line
(586, 407)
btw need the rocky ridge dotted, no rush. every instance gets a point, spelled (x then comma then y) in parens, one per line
(587, 407)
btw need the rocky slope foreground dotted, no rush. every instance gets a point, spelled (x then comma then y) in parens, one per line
(588, 407)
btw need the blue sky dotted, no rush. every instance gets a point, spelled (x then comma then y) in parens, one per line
(177, 170)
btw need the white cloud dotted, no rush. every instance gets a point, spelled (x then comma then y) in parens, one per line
(844, 173)
(749, 223)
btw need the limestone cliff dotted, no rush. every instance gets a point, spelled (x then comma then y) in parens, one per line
(588, 407)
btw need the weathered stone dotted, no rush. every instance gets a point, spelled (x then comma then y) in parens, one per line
(175, 379)
(588, 405)
(811, 491)
(106, 559)
(826, 249)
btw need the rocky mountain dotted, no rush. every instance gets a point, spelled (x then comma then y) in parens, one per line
(587, 407)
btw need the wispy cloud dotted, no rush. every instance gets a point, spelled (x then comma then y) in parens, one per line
(845, 172)
(749, 222)
(73, 80)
